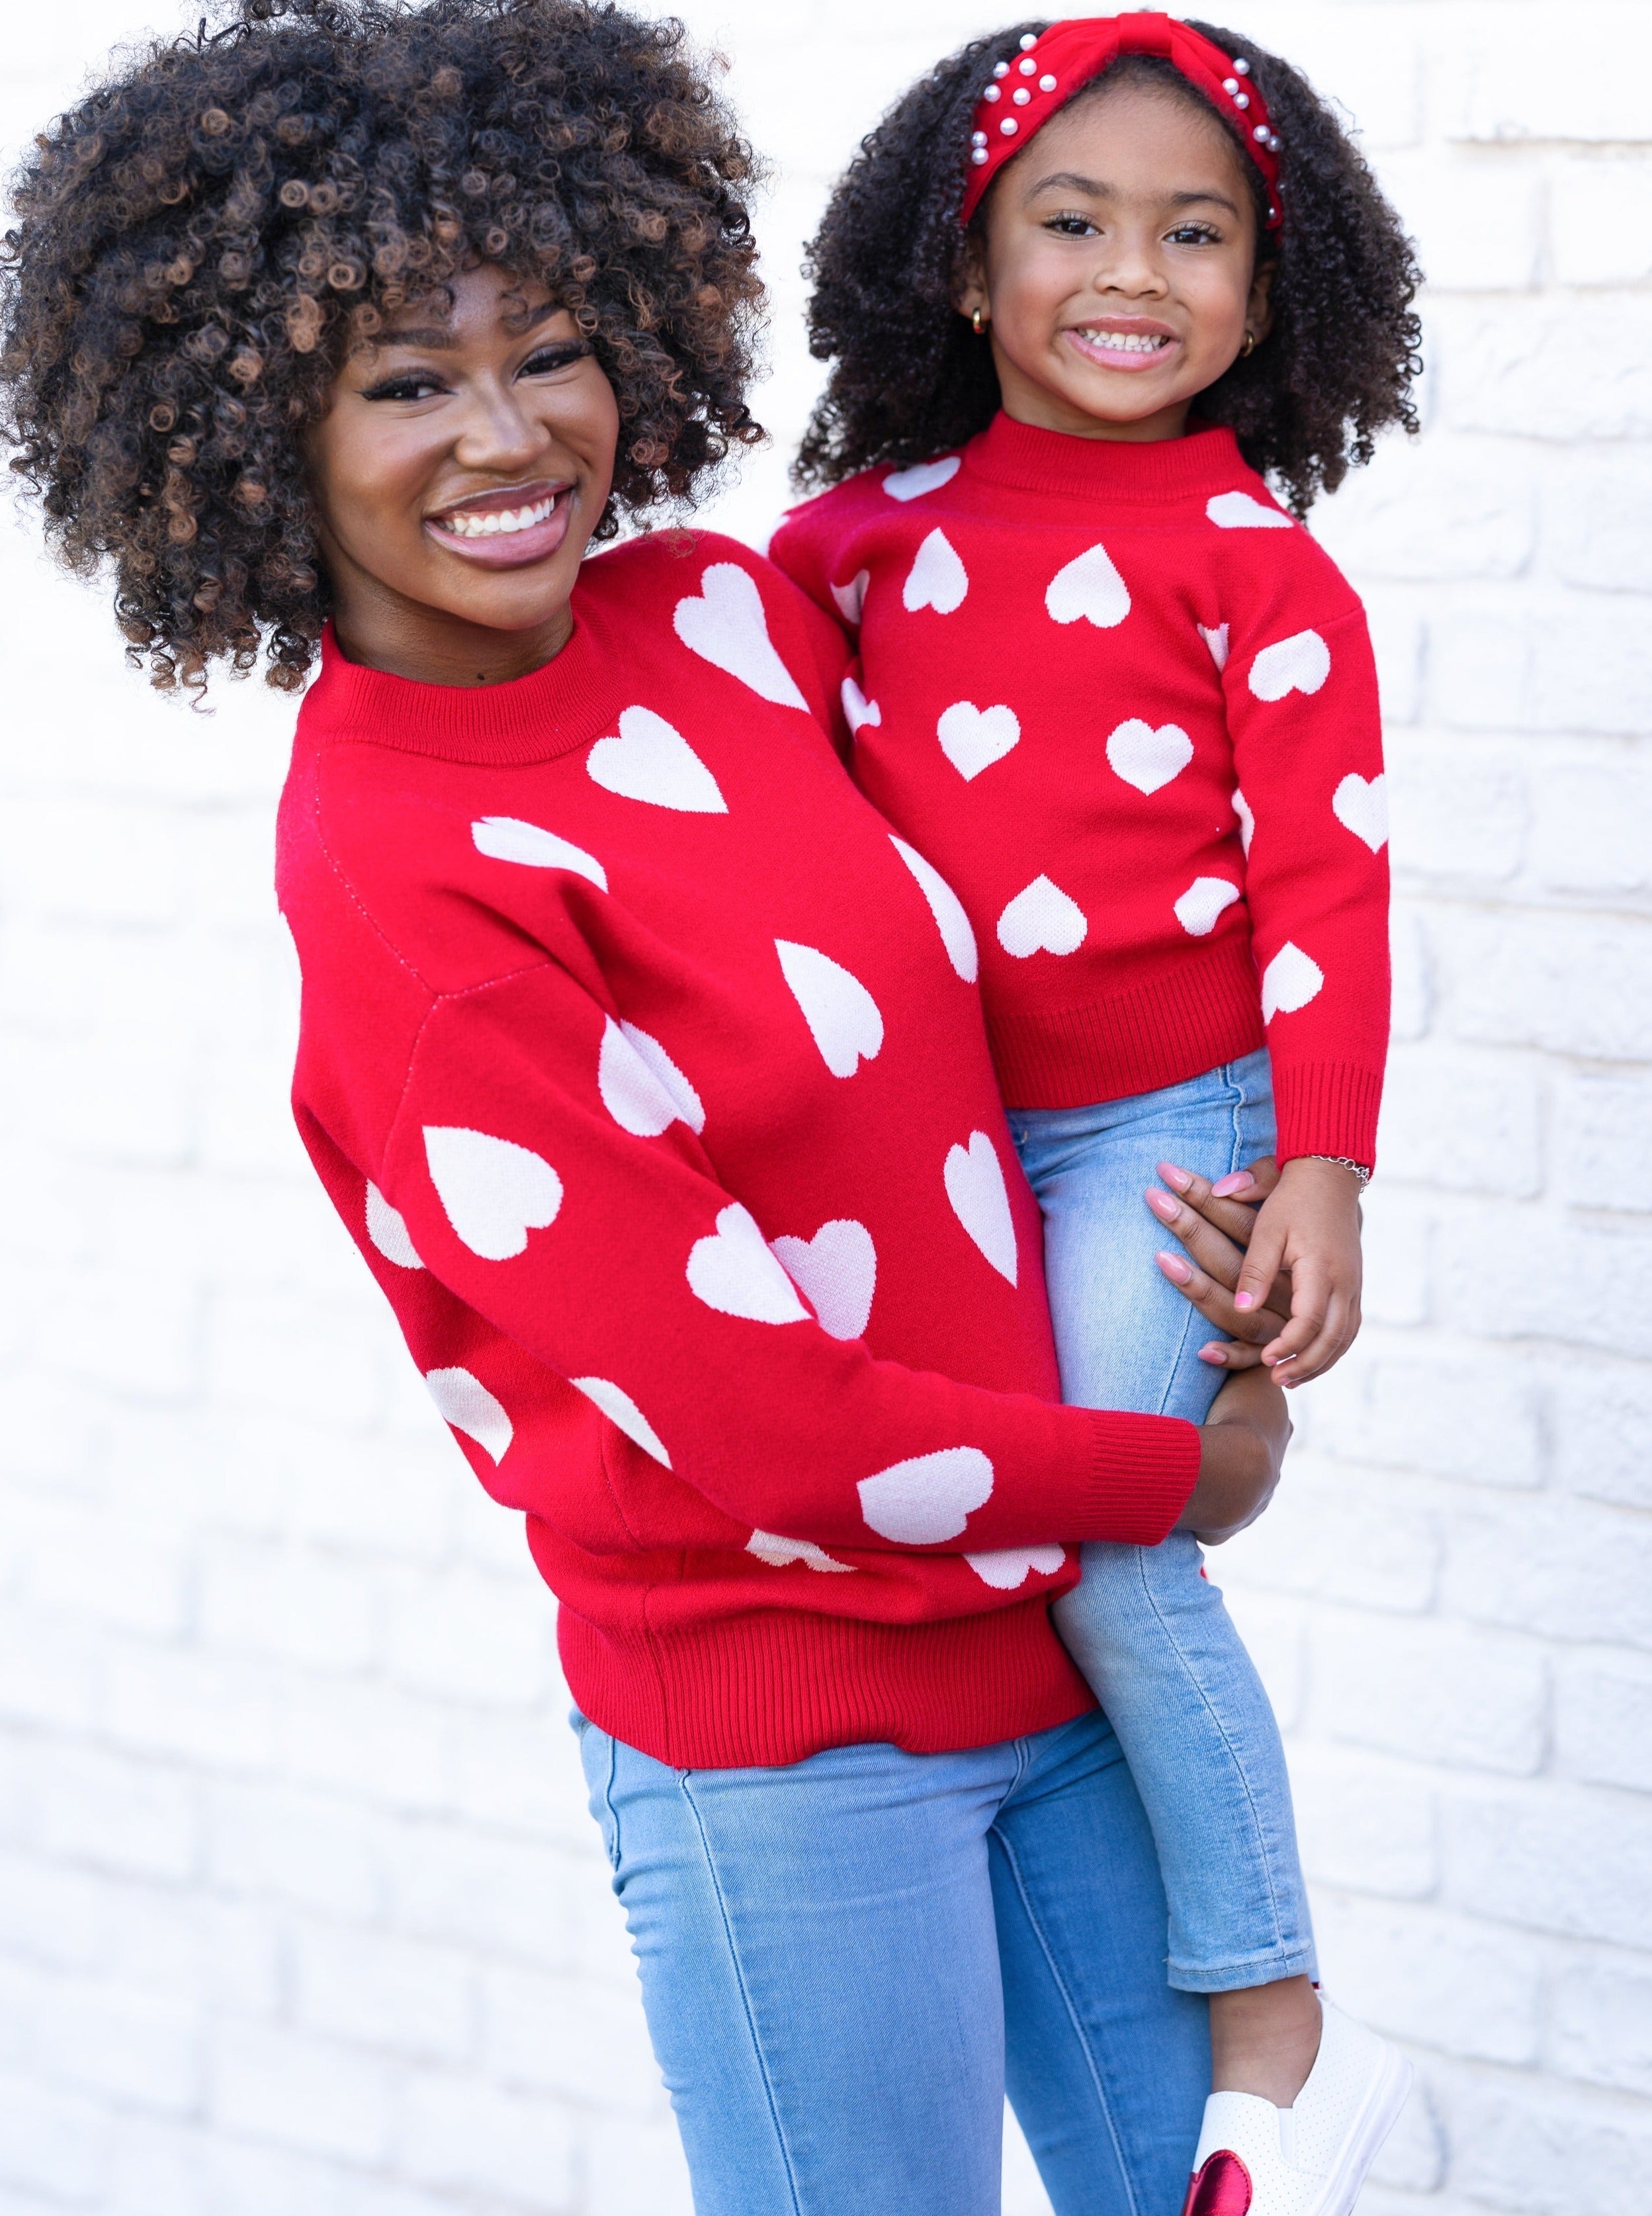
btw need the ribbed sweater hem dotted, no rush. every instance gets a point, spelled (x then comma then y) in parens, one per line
(778, 1685)
(1328, 1108)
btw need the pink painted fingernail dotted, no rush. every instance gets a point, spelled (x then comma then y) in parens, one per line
(1161, 1203)
(1174, 1268)
(1224, 1188)
(1244, 1300)
(1179, 1180)
(1214, 1354)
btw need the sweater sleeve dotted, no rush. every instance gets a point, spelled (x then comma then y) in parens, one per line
(1303, 711)
(620, 1263)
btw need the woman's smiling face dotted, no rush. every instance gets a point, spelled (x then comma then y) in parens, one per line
(460, 469)
(1117, 265)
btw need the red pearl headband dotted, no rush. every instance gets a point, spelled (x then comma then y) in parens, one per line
(1022, 95)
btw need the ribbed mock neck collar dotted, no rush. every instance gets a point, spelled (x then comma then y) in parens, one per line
(527, 719)
(1035, 460)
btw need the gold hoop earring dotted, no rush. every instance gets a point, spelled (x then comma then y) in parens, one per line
(977, 322)
(1249, 346)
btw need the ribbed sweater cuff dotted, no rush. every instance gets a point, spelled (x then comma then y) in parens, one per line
(1328, 1108)
(1145, 1468)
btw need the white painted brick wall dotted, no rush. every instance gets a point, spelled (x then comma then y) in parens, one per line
(299, 1907)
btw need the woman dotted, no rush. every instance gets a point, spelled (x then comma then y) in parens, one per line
(644, 1065)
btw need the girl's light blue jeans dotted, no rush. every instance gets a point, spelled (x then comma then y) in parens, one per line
(1143, 1624)
(845, 1960)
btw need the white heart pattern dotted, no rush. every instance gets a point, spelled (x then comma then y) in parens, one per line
(507, 838)
(734, 1273)
(973, 738)
(1004, 1568)
(954, 925)
(852, 598)
(921, 1502)
(1237, 511)
(1088, 589)
(641, 1087)
(842, 1016)
(838, 1274)
(494, 1192)
(769, 1547)
(623, 1413)
(1146, 758)
(858, 711)
(1362, 807)
(937, 578)
(464, 1401)
(1300, 663)
(926, 477)
(1042, 919)
(1291, 980)
(651, 761)
(727, 626)
(1247, 821)
(980, 1201)
(1217, 640)
(387, 1229)
(1202, 905)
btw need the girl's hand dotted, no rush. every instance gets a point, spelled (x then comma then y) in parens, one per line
(1241, 1446)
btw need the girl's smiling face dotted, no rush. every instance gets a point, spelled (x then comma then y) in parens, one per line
(1116, 262)
(460, 469)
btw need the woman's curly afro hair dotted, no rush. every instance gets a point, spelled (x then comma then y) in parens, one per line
(910, 377)
(202, 239)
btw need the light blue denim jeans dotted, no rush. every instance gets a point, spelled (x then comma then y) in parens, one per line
(1145, 1625)
(845, 1961)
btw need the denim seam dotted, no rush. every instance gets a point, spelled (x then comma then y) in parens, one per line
(608, 1802)
(685, 1781)
(1073, 2017)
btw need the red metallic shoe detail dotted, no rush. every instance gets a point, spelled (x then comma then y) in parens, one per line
(1221, 2189)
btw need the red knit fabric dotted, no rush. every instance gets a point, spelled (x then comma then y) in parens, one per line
(1087, 668)
(610, 978)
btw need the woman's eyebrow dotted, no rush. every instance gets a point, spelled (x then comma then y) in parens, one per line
(443, 337)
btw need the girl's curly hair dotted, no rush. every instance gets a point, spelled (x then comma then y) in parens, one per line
(910, 378)
(202, 239)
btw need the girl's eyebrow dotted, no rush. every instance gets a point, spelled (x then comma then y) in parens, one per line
(1069, 181)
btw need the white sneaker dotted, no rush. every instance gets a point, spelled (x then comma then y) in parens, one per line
(1253, 2159)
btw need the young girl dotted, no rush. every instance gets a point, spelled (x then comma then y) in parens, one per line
(1086, 287)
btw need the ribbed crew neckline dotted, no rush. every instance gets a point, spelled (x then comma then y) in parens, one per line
(1033, 459)
(526, 719)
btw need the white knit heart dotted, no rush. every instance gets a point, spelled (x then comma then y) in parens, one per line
(973, 738)
(494, 1192)
(842, 1016)
(1237, 511)
(769, 1547)
(950, 920)
(1217, 640)
(641, 1087)
(387, 1229)
(507, 838)
(623, 1413)
(734, 1272)
(651, 761)
(937, 579)
(925, 477)
(1300, 663)
(852, 598)
(1042, 919)
(1088, 589)
(1005, 1568)
(1291, 980)
(1148, 758)
(1202, 905)
(1247, 821)
(974, 1181)
(464, 1401)
(836, 1271)
(928, 1499)
(858, 711)
(727, 626)
(1362, 807)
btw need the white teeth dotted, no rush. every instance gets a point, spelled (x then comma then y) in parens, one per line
(496, 522)
(1128, 342)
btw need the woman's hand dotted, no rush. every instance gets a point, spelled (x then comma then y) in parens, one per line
(1214, 1224)
(1242, 1448)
